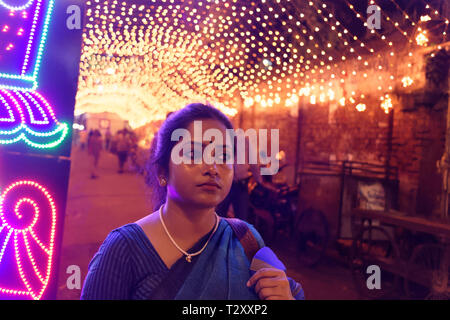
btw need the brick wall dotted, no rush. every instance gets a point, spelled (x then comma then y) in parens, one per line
(417, 143)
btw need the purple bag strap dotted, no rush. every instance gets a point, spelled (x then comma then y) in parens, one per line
(245, 236)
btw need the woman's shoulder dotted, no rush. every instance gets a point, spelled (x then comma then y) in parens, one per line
(240, 227)
(118, 239)
(132, 234)
(127, 239)
(130, 241)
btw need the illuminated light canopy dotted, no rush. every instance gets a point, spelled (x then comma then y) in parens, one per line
(27, 238)
(143, 61)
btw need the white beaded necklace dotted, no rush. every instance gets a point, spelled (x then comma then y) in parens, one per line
(188, 255)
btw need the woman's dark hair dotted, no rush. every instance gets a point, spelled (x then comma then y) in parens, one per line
(162, 144)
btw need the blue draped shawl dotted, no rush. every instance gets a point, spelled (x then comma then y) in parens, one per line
(128, 267)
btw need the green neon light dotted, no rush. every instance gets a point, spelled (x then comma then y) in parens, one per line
(28, 136)
(15, 130)
(43, 38)
(14, 76)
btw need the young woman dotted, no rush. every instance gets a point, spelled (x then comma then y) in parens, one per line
(183, 250)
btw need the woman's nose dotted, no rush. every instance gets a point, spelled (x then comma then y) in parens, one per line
(211, 169)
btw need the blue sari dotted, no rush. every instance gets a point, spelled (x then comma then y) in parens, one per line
(128, 267)
(219, 273)
(222, 270)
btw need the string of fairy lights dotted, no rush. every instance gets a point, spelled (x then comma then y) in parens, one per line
(145, 59)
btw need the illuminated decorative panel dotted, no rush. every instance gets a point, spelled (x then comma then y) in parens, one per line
(29, 117)
(25, 114)
(33, 191)
(39, 65)
(27, 238)
(23, 33)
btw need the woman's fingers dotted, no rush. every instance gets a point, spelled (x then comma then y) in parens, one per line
(271, 284)
(267, 283)
(264, 273)
(266, 293)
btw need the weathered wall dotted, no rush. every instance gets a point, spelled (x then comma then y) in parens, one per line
(347, 134)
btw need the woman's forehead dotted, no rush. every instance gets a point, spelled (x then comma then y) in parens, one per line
(213, 129)
(205, 124)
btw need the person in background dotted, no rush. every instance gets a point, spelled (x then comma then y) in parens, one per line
(123, 144)
(83, 139)
(108, 137)
(95, 144)
(238, 196)
(91, 132)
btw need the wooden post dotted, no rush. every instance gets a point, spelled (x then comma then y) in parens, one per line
(390, 135)
(241, 109)
(299, 139)
(253, 116)
(444, 163)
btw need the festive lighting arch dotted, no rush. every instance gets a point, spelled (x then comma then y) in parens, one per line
(243, 50)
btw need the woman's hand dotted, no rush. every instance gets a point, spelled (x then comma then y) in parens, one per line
(271, 284)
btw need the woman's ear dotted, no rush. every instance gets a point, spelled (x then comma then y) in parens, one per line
(162, 177)
(162, 182)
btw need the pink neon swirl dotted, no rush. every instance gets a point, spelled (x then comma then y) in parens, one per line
(24, 241)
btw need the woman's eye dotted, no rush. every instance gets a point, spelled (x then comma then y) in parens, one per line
(194, 154)
(225, 156)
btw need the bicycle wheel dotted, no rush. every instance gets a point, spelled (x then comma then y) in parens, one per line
(312, 235)
(372, 249)
(427, 275)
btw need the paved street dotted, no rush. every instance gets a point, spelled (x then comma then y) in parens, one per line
(97, 206)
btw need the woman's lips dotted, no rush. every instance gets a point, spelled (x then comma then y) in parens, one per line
(209, 186)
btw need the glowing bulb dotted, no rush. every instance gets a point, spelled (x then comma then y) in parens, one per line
(421, 39)
(248, 102)
(361, 107)
(407, 81)
(331, 94)
(386, 105)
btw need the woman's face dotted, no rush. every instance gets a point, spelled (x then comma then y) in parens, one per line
(201, 184)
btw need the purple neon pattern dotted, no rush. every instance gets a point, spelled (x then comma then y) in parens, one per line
(29, 117)
(23, 34)
(27, 240)
(25, 115)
